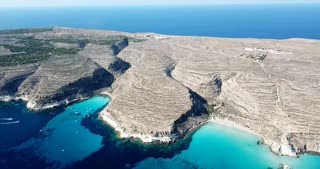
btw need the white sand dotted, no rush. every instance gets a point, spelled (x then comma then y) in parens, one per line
(278, 148)
(143, 138)
(229, 123)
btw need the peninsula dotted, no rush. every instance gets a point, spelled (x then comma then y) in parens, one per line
(163, 87)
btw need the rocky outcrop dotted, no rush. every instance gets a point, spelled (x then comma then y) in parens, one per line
(70, 72)
(145, 100)
(197, 115)
(117, 47)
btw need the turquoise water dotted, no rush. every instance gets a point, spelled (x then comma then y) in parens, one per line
(220, 147)
(64, 140)
(76, 138)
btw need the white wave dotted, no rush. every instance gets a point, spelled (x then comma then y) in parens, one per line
(6, 98)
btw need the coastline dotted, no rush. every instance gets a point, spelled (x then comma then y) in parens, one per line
(32, 105)
(144, 138)
(104, 115)
(277, 149)
(166, 139)
(231, 124)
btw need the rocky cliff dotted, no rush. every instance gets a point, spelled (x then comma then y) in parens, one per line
(50, 67)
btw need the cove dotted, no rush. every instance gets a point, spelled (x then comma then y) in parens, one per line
(63, 139)
(220, 147)
(74, 138)
(16, 118)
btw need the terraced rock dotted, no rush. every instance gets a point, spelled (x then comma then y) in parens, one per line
(163, 87)
(269, 86)
(50, 67)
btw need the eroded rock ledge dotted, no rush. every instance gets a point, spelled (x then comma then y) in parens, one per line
(163, 87)
(51, 67)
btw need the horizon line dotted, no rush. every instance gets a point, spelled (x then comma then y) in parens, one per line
(155, 5)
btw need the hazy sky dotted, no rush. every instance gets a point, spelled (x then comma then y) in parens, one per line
(140, 2)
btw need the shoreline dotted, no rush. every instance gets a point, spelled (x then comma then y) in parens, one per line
(280, 152)
(144, 138)
(121, 134)
(231, 124)
(275, 148)
(32, 105)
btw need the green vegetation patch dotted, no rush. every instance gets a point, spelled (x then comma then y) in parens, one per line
(23, 31)
(28, 49)
(32, 50)
(108, 41)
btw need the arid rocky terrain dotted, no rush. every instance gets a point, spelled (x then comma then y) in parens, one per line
(48, 67)
(162, 87)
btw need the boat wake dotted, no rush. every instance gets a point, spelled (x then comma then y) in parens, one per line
(6, 119)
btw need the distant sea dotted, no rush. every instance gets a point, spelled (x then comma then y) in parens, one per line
(236, 21)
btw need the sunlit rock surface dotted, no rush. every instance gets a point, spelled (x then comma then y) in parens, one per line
(162, 87)
(50, 67)
(269, 86)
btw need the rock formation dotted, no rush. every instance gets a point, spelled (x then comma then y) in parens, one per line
(78, 63)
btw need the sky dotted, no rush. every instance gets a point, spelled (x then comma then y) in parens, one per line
(14, 3)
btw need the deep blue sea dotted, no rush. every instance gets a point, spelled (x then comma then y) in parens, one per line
(238, 21)
(75, 138)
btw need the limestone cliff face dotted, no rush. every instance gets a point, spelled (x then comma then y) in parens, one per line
(64, 80)
(82, 67)
(198, 114)
(117, 47)
(12, 80)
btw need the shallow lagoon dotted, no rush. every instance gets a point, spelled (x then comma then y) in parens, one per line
(62, 140)
(217, 146)
(76, 138)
